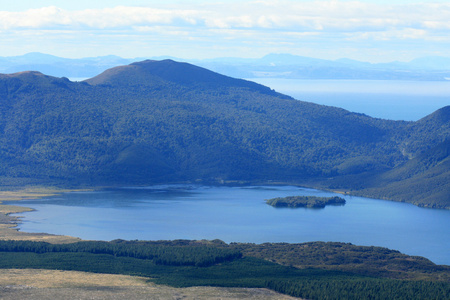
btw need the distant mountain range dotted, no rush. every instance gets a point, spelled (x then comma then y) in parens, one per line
(165, 121)
(269, 66)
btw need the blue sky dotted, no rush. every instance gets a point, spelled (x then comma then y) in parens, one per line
(374, 31)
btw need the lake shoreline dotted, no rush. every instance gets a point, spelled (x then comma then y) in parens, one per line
(8, 223)
(37, 282)
(13, 228)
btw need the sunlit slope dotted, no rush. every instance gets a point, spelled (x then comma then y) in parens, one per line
(164, 121)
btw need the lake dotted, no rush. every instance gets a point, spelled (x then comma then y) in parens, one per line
(386, 99)
(239, 214)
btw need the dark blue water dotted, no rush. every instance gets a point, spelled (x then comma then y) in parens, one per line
(386, 99)
(239, 214)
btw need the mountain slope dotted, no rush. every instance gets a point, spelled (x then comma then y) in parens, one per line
(168, 72)
(163, 121)
(427, 132)
(424, 180)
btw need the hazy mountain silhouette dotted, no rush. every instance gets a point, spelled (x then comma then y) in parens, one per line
(272, 65)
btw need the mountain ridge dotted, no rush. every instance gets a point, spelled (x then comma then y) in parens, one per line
(150, 72)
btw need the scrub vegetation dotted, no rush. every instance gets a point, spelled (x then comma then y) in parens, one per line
(214, 263)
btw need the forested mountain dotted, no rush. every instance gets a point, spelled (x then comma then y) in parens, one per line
(423, 180)
(164, 121)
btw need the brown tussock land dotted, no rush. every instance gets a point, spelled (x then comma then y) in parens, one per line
(51, 284)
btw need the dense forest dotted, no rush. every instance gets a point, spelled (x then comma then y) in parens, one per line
(305, 201)
(163, 121)
(181, 263)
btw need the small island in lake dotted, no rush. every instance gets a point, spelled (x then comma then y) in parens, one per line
(305, 201)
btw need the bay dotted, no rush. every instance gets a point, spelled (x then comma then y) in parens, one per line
(239, 214)
(386, 99)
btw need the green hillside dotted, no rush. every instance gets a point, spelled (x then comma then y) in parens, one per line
(423, 180)
(163, 121)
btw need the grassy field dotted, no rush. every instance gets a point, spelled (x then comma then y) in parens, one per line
(51, 284)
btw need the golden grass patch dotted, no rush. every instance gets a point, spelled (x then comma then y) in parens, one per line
(55, 278)
(8, 232)
(28, 193)
(13, 209)
(53, 284)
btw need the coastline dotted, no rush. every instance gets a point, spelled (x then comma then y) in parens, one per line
(8, 223)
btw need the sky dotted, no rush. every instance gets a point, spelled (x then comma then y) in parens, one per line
(372, 31)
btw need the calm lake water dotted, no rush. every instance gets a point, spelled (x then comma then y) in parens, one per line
(386, 99)
(239, 214)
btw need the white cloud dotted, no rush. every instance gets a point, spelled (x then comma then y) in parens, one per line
(270, 22)
(403, 34)
(318, 15)
(119, 16)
